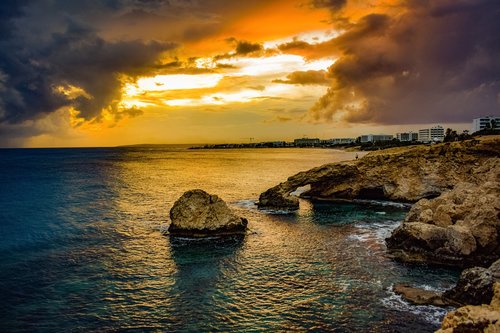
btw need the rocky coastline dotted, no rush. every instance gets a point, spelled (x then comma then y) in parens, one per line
(454, 220)
(453, 187)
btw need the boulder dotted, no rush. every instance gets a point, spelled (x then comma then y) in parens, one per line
(199, 214)
(474, 318)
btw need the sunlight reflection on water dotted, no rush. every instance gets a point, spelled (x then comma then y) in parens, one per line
(82, 248)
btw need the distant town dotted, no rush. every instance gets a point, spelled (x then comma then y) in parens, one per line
(434, 134)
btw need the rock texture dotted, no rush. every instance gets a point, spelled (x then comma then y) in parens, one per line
(198, 214)
(400, 174)
(459, 228)
(474, 318)
(475, 286)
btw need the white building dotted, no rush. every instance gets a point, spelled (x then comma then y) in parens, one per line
(375, 138)
(432, 134)
(407, 136)
(479, 124)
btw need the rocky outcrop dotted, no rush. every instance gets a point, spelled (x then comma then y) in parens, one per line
(400, 174)
(459, 228)
(475, 286)
(198, 214)
(475, 318)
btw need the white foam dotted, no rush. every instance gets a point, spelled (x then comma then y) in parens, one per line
(377, 231)
(384, 203)
(430, 313)
(248, 204)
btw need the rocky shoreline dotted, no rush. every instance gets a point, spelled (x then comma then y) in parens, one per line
(454, 188)
(454, 221)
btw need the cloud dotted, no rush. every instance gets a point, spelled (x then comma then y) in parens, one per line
(9, 10)
(430, 62)
(330, 4)
(242, 48)
(294, 45)
(36, 78)
(306, 77)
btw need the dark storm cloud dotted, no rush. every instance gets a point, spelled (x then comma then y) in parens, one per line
(30, 73)
(306, 77)
(9, 10)
(438, 62)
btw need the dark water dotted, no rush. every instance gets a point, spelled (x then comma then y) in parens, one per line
(82, 249)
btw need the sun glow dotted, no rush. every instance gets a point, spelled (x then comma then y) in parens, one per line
(277, 64)
(172, 82)
(273, 91)
(310, 37)
(253, 76)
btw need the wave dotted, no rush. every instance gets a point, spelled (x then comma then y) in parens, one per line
(431, 314)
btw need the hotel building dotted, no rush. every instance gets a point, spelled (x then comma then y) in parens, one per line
(432, 134)
(482, 123)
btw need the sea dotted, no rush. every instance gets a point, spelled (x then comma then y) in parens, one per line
(84, 247)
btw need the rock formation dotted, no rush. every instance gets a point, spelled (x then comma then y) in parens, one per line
(474, 318)
(455, 220)
(405, 174)
(198, 214)
(460, 228)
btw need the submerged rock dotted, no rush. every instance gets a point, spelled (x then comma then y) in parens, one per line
(419, 296)
(475, 318)
(199, 214)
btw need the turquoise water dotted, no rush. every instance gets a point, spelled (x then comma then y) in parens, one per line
(82, 248)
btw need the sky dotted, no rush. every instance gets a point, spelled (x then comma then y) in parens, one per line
(119, 72)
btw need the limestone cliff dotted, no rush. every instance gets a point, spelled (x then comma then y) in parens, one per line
(400, 174)
(475, 318)
(459, 228)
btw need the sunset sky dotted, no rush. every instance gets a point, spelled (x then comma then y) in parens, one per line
(117, 72)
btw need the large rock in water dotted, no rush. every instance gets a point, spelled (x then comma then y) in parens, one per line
(405, 174)
(199, 214)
